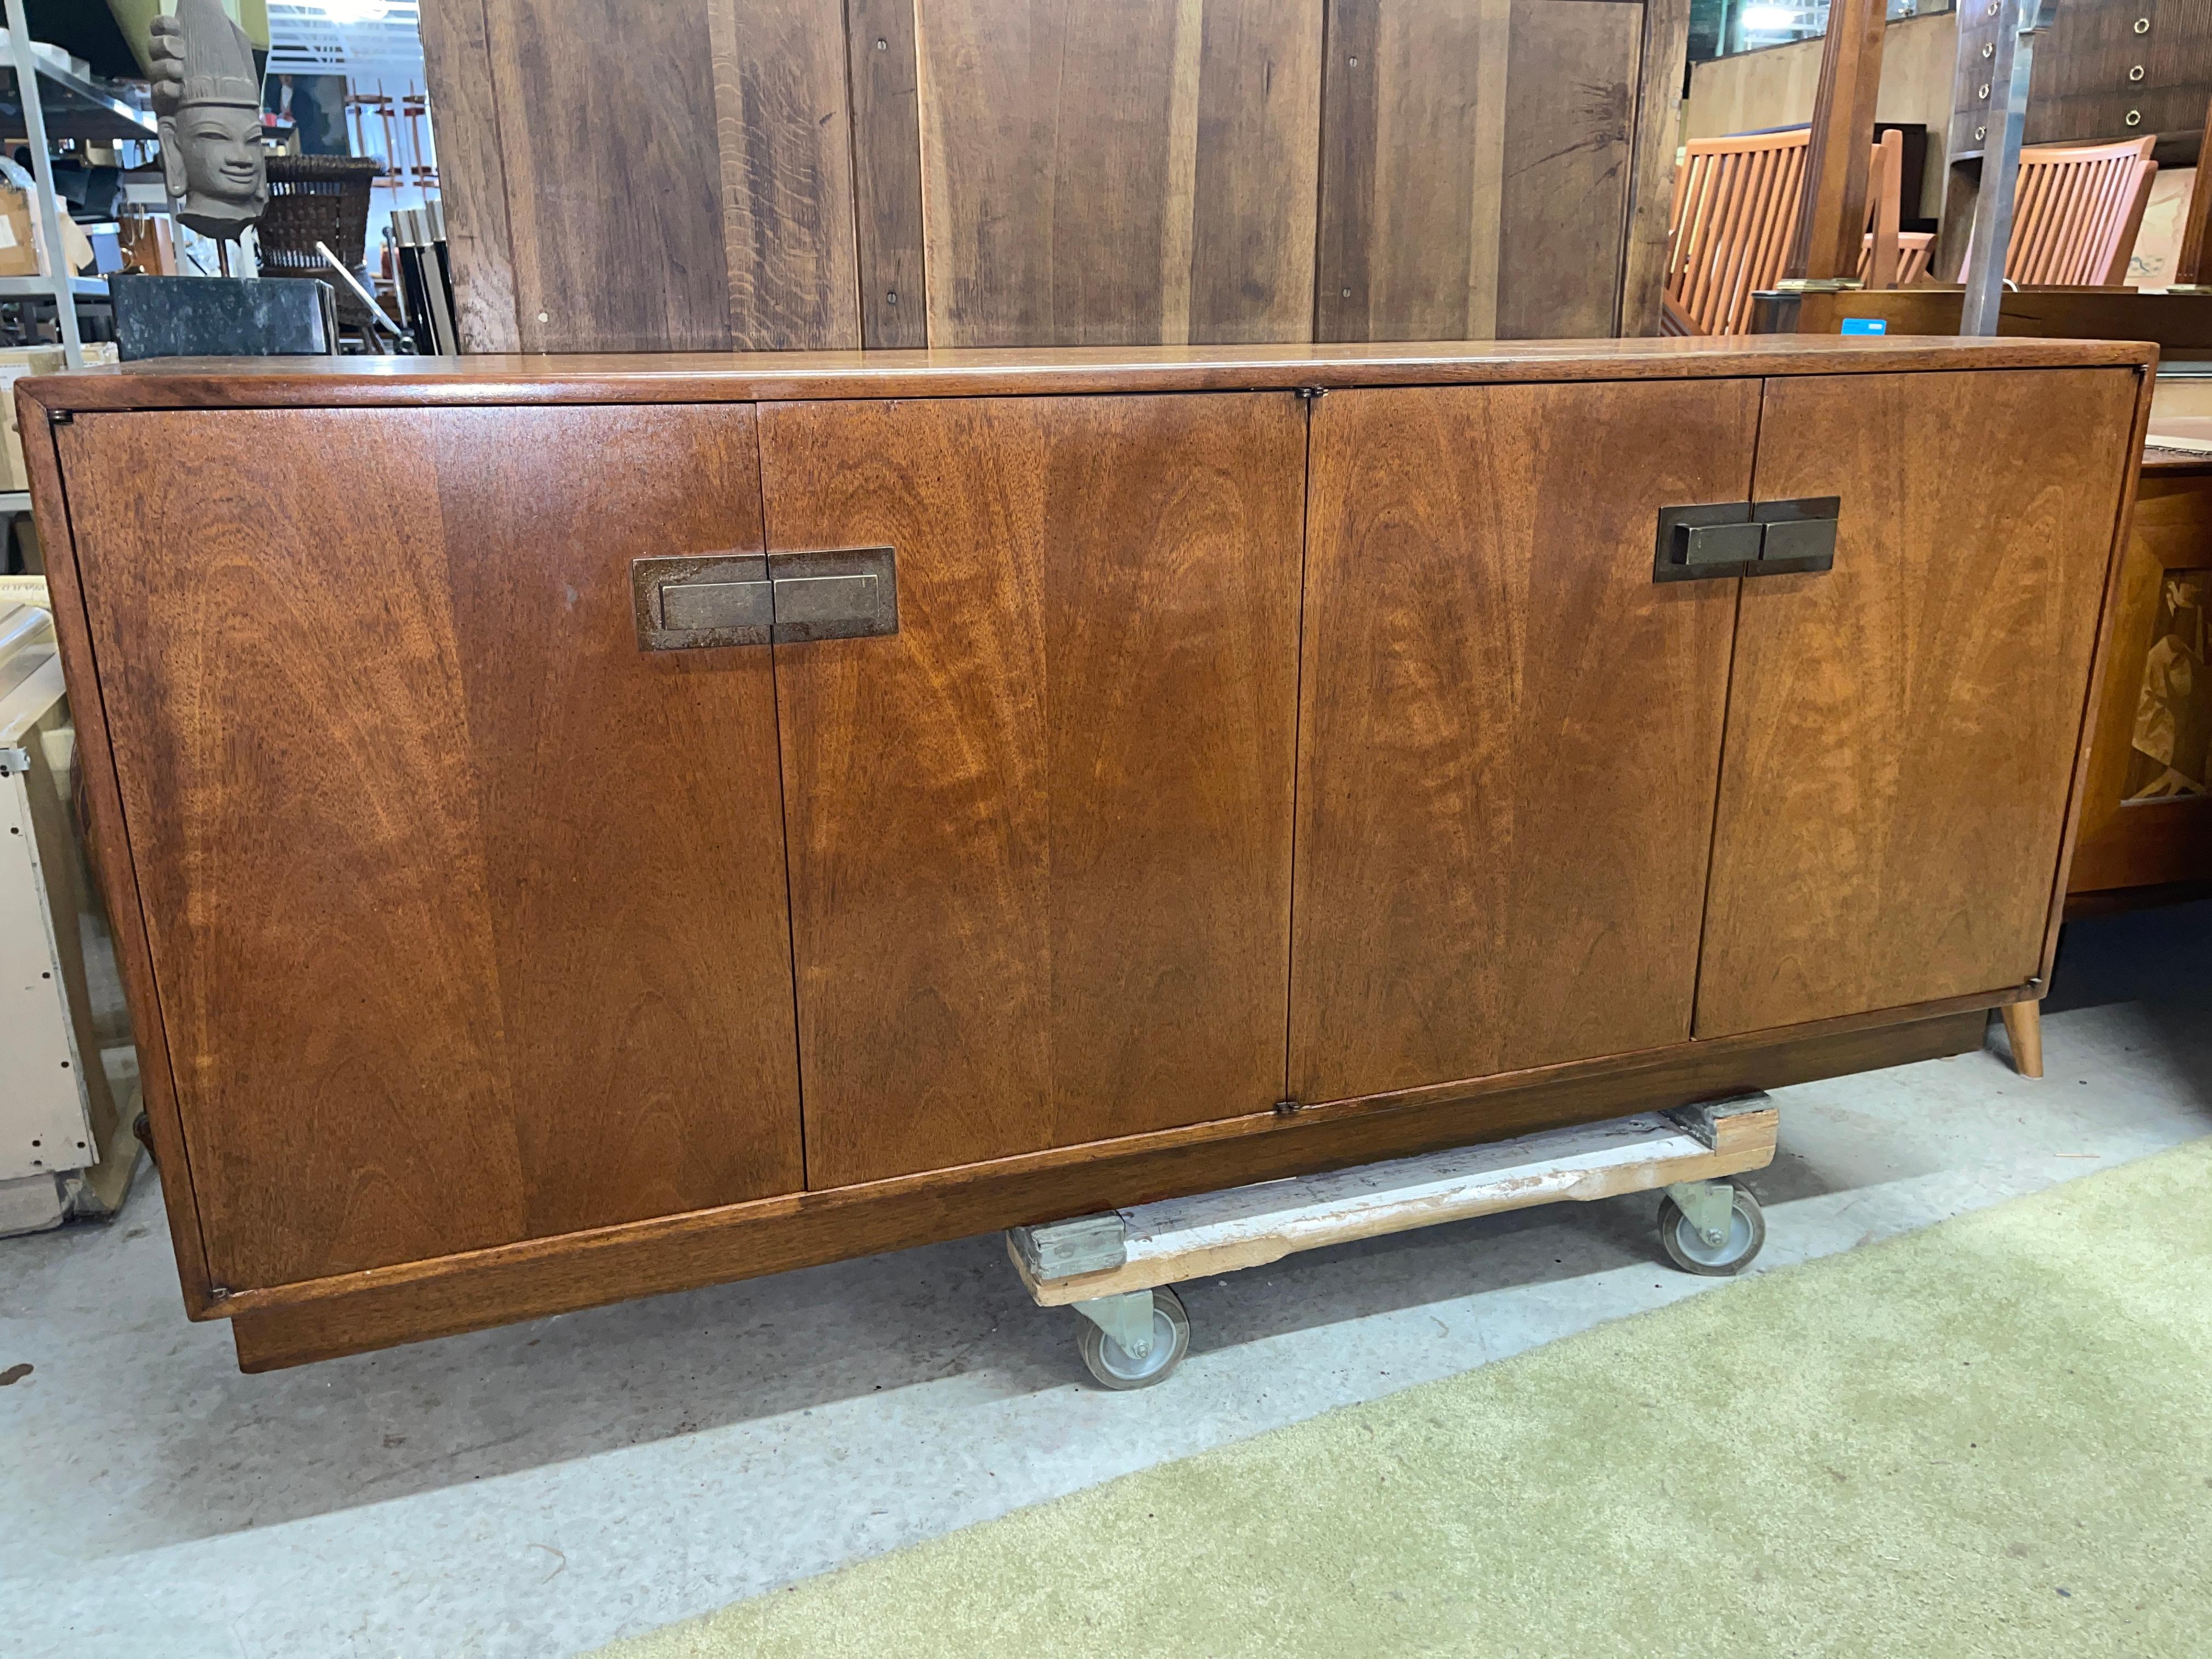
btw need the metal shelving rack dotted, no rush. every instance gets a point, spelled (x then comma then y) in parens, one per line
(81, 110)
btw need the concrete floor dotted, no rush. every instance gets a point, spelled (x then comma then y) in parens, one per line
(540, 1490)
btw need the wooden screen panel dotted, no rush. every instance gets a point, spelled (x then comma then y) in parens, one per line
(783, 136)
(1040, 838)
(1509, 733)
(887, 174)
(674, 177)
(1903, 729)
(471, 176)
(1134, 173)
(1477, 160)
(614, 191)
(467, 918)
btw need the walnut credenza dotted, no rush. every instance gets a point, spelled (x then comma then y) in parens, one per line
(1186, 768)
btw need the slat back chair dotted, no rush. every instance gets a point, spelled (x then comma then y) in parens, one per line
(2075, 212)
(1735, 211)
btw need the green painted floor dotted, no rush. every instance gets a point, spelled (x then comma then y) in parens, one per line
(1991, 1438)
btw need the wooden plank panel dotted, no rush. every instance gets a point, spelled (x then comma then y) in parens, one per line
(1509, 733)
(1141, 172)
(1902, 729)
(1414, 127)
(462, 914)
(784, 136)
(472, 174)
(614, 188)
(1040, 838)
(887, 174)
(631, 812)
(1563, 200)
(1660, 61)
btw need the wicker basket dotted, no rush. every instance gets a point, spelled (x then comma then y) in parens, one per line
(318, 199)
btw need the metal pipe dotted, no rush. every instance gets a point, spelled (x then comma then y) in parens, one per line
(42, 169)
(365, 296)
(2013, 68)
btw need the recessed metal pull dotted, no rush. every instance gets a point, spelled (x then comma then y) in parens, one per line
(1746, 538)
(690, 603)
(849, 594)
(1713, 540)
(1800, 535)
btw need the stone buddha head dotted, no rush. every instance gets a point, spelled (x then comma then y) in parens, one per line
(209, 102)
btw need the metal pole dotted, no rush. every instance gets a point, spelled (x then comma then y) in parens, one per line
(42, 168)
(2014, 66)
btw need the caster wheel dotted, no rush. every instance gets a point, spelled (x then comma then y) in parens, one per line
(1117, 1368)
(1687, 1249)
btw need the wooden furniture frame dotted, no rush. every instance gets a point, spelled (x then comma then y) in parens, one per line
(470, 984)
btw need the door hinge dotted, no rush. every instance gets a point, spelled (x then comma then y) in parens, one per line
(1308, 394)
(61, 417)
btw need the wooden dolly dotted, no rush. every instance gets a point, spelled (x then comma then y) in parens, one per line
(1114, 1269)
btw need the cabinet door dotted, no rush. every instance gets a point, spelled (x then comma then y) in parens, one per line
(1509, 732)
(467, 918)
(1039, 836)
(1902, 728)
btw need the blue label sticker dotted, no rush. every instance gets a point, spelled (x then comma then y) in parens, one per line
(1866, 324)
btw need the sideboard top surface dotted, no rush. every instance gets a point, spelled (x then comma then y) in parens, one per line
(742, 377)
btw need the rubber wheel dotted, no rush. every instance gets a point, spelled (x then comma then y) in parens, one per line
(1117, 1368)
(1690, 1252)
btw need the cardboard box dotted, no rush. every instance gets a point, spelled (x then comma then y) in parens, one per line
(19, 236)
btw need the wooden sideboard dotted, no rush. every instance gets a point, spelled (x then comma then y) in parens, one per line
(1211, 766)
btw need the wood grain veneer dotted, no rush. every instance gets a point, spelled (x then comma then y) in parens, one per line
(457, 936)
(1903, 729)
(1508, 730)
(1040, 837)
(320, 382)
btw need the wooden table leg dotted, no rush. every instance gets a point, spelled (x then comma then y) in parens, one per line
(2023, 1023)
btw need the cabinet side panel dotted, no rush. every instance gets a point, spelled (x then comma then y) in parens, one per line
(108, 844)
(1903, 729)
(1040, 837)
(1509, 733)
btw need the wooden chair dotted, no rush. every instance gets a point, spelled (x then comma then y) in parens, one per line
(1892, 257)
(2075, 212)
(1736, 203)
(1735, 210)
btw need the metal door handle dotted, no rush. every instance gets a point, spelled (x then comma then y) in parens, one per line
(688, 604)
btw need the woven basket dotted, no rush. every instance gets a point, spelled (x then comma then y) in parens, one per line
(318, 199)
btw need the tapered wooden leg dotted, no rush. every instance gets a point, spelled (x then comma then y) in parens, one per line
(2024, 1028)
